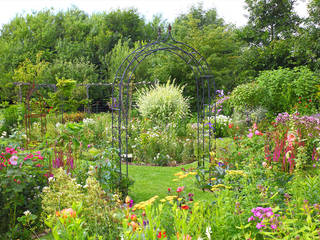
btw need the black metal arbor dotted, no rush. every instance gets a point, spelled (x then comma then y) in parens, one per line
(205, 95)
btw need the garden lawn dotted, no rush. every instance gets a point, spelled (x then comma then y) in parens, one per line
(151, 180)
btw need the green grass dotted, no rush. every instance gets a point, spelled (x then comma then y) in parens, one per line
(150, 181)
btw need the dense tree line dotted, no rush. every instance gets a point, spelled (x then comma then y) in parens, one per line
(89, 48)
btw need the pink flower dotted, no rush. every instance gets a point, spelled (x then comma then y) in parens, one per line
(260, 225)
(13, 160)
(250, 135)
(269, 214)
(180, 189)
(291, 138)
(258, 133)
(251, 219)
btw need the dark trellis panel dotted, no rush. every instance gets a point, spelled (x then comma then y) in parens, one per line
(205, 95)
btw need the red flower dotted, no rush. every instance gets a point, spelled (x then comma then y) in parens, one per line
(162, 235)
(185, 207)
(169, 189)
(230, 125)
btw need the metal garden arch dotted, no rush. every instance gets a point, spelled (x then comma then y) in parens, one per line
(205, 95)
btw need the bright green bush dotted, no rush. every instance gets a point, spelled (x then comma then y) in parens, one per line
(286, 89)
(281, 90)
(249, 95)
(163, 103)
(12, 116)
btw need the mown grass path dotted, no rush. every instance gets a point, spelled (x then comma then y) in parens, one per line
(151, 181)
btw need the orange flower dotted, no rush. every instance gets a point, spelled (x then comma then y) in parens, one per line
(184, 237)
(68, 212)
(134, 225)
(133, 217)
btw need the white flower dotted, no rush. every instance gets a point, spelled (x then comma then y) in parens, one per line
(45, 189)
(27, 212)
(208, 232)
(50, 179)
(88, 121)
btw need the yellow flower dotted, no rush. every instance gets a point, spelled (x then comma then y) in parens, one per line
(163, 200)
(178, 173)
(127, 200)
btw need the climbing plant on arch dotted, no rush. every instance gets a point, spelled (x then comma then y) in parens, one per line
(205, 95)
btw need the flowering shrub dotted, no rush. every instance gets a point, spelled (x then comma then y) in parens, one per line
(264, 218)
(98, 207)
(293, 143)
(22, 176)
(68, 225)
(222, 124)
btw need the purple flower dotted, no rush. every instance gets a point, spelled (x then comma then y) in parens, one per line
(89, 146)
(210, 125)
(220, 164)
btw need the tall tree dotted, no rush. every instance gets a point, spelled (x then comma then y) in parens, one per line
(271, 20)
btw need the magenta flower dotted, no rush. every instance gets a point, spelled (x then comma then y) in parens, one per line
(260, 225)
(251, 219)
(273, 226)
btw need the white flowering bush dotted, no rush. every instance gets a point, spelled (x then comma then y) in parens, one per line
(222, 123)
(88, 121)
(163, 103)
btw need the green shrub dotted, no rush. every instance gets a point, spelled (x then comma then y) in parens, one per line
(286, 89)
(281, 90)
(163, 103)
(12, 116)
(247, 96)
